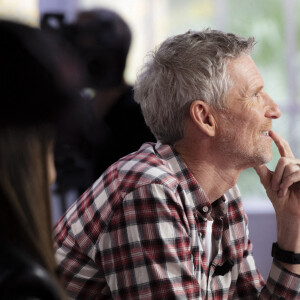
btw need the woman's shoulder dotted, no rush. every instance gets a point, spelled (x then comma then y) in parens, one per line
(23, 278)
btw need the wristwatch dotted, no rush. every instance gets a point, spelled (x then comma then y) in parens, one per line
(285, 256)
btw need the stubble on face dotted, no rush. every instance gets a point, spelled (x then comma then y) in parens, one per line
(235, 144)
(242, 124)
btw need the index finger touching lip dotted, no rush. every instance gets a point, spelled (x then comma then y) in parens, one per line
(282, 145)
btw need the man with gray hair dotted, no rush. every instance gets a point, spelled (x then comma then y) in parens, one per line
(167, 222)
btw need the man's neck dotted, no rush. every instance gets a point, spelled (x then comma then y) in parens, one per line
(214, 174)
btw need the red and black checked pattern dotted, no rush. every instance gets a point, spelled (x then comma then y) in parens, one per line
(139, 231)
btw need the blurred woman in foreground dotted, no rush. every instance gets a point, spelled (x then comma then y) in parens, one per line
(36, 77)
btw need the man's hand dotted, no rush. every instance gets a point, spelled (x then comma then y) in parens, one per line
(283, 188)
(282, 185)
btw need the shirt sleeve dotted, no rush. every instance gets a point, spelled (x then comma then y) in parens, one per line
(147, 249)
(281, 284)
(81, 276)
(143, 253)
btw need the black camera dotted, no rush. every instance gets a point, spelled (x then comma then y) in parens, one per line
(101, 38)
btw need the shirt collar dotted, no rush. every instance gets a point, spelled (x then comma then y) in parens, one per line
(200, 203)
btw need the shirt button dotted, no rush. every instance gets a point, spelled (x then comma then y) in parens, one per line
(205, 209)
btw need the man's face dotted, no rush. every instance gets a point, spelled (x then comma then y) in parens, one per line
(243, 127)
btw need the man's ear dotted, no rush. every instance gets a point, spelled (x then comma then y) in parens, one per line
(201, 114)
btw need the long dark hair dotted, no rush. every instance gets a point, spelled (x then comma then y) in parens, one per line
(38, 81)
(24, 191)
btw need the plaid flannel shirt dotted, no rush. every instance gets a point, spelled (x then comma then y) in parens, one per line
(139, 232)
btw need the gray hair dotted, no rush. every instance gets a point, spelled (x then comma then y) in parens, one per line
(185, 68)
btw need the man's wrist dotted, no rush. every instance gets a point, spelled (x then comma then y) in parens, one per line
(285, 256)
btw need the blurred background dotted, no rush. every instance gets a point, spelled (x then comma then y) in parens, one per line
(275, 27)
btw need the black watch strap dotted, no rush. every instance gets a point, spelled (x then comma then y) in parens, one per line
(285, 256)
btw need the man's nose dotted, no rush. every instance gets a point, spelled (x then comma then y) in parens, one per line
(272, 109)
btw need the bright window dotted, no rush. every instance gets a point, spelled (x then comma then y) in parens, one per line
(25, 11)
(272, 22)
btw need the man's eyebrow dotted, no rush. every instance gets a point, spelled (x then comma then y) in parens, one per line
(258, 89)
(255, 89)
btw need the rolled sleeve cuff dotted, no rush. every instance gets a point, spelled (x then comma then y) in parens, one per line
(283, 284)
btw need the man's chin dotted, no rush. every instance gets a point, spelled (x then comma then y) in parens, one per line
(264, 159)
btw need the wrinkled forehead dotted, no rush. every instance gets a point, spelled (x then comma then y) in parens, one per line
(244, 74)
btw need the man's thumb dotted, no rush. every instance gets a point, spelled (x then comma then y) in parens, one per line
(265, 175)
